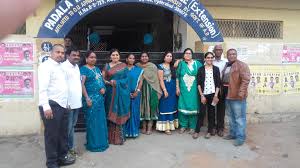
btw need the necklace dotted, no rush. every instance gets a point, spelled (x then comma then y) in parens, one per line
(97, 75)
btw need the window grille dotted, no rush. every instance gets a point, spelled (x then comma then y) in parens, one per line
(250, 28)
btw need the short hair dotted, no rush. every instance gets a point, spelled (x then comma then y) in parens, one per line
(232, 49)
(57, 45)
(68, 37)
(114, 50)
(70, 49)
(185, 50)
(27, 79)
(128, 55)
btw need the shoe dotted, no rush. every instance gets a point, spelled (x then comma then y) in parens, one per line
(213, 132)
(73, 153)
(67, 160)
(220, 133)
(168, 132)
(229, 137)
(182, 130)
(195, 135)
(238, 143)
(192, 131)
(208, 135)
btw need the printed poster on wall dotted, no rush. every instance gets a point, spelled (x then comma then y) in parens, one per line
(44, 46)
(266, 80)
(16, 84)
(291, 83)
(16, 55)
(291, 54)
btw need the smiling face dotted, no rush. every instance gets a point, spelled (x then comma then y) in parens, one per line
(74, 57)
(144, 58)
(231, 55)
(187, 55)
(168, 58)
(115, 57)
(209, 59)
(130, 59)
(58, 53)
(91, 59)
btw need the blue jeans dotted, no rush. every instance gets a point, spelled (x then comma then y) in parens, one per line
(236, 111)
(73, 116)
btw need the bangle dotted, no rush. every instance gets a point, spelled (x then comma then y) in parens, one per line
(164, 90)
(87, 98)
(138, 90)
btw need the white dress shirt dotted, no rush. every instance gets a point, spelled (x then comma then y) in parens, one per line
(74, 84)
(52, 84)
(220, 64)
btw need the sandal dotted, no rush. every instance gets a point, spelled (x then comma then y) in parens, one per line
(195, 135)
(168, 132)
(182, 130)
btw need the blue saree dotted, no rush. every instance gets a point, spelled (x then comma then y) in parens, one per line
(96, 126)
(133, 124)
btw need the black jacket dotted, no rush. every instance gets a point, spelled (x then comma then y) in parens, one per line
(201, 77)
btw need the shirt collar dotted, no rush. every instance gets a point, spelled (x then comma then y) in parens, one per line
(70, 65)
(52, 61)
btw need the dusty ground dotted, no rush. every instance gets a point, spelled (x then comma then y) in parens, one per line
(269, 145)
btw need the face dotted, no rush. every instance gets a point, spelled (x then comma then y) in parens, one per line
(277, 80)
(115, 56)
(58, 54)
(74, 57)
(187, 55)
(26, 55)
(209, 59)
(218, 50)
(231, 55)
(91, 59)
(144, 58)
(27, 83)
(271, 79)
(168, 58)
(130, 60)
(258, 79)
(68, 42)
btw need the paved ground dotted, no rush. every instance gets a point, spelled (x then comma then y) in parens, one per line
(269, 145)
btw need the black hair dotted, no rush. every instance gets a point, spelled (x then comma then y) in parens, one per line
(27, 79)
(68, 37)
(144, 52)
(57, 45)
(185, 50)
(83, 60)
(206, 54)
(70, 49)
(114, 50)
(127, 56)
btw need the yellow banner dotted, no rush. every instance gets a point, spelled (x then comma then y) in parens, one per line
(291, 83)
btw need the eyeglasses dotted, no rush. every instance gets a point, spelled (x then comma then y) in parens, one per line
(209, 58)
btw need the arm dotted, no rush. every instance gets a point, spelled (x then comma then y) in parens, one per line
(160, 74)
(177, 63)
(84, 92)
(218, 80)
(245, 80)
(44, 80)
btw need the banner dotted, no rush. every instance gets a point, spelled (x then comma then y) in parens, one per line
(291, 83)
(68, 12)
(16, 84)
(266, 80)
(291, 54)
(16, 55)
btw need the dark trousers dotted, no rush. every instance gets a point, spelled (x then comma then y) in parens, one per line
(56, 134)
(221, 108)
(210, 112)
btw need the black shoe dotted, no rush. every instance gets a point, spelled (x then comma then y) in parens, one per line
(67, 160)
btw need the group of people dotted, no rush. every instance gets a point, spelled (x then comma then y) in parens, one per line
(124, 96)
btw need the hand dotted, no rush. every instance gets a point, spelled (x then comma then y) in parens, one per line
(215, 99)
(48, 114)
(177, 91)
(134, 94)
(203, 99)
(166, 93)
(89, 102)
(241, 95)
(102, 91)
(112, 83)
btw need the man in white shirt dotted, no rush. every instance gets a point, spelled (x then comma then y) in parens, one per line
(75, 92)
(220, 63)
(53, 95)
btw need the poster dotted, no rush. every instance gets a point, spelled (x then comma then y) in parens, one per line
(291, 83)
(266, 80)
(291, 54)
(16, 55)
(16, 84)
(44, 47)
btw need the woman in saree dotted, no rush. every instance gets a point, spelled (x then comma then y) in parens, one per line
(167, 118)
(135, 82)
(93, 89)
(117, 98)
(151, 93)
(186, 89)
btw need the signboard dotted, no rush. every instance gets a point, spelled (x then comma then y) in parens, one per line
(44, 47)
(68, 12)
(16, 84)
(16, 55)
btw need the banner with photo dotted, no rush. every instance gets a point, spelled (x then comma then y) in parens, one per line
(16, 84)
(14, 55)
(291, 54)
(291, 83)
(266, 80)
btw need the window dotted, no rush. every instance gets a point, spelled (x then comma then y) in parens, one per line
(250, 28)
